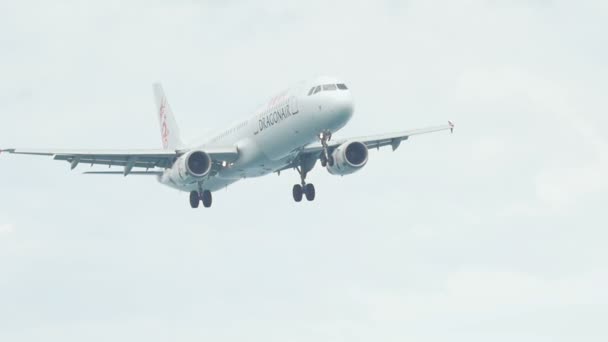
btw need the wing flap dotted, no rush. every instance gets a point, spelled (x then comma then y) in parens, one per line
(132, 161)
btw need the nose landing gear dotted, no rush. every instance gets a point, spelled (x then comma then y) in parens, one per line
(305, 164)
(303, 189)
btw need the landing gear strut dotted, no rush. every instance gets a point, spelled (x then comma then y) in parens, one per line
(326, 158)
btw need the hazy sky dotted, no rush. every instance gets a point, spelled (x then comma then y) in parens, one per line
(495, 233)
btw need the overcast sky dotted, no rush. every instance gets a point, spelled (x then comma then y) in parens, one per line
(495, 233)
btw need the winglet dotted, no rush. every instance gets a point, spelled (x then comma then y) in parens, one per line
(451, 124)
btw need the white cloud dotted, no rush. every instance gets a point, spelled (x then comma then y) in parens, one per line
(483, 302)
(565, 185)
(6, 228)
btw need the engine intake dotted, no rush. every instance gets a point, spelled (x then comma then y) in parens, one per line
(348, 158)
(198, 164)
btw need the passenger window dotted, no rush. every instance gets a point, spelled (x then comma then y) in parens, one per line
(329, 87)
(342, 86)
(311, 90)
(317, 89)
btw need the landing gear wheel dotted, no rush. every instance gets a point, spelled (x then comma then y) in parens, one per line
(330, 160)
(323, 160)
(309, 191)
(194, 199)
(206, 198)
(297, 193)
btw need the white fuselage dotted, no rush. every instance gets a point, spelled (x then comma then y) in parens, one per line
(272, 138)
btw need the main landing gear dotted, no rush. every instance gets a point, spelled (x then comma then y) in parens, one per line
(326, 158)
(200, 196)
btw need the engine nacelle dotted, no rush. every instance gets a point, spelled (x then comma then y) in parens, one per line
(348, 158)
(191, 167)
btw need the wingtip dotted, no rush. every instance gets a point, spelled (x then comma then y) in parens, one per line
(451, 124)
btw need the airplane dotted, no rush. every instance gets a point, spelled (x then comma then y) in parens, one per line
(293, 130)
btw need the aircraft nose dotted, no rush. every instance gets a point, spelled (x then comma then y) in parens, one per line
(342, 107)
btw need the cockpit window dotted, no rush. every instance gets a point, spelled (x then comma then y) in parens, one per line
(326, 87)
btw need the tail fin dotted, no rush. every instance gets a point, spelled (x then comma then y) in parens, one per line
(169, 131)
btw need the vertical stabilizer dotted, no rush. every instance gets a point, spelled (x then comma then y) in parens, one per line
(169, 132)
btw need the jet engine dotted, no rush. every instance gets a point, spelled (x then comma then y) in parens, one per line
(191, 167)
(348, 158)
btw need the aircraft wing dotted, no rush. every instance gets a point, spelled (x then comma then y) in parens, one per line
(127, 158)
(373, 141)
(379, 140)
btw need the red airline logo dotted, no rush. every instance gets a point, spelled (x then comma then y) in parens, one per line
(164, 130)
